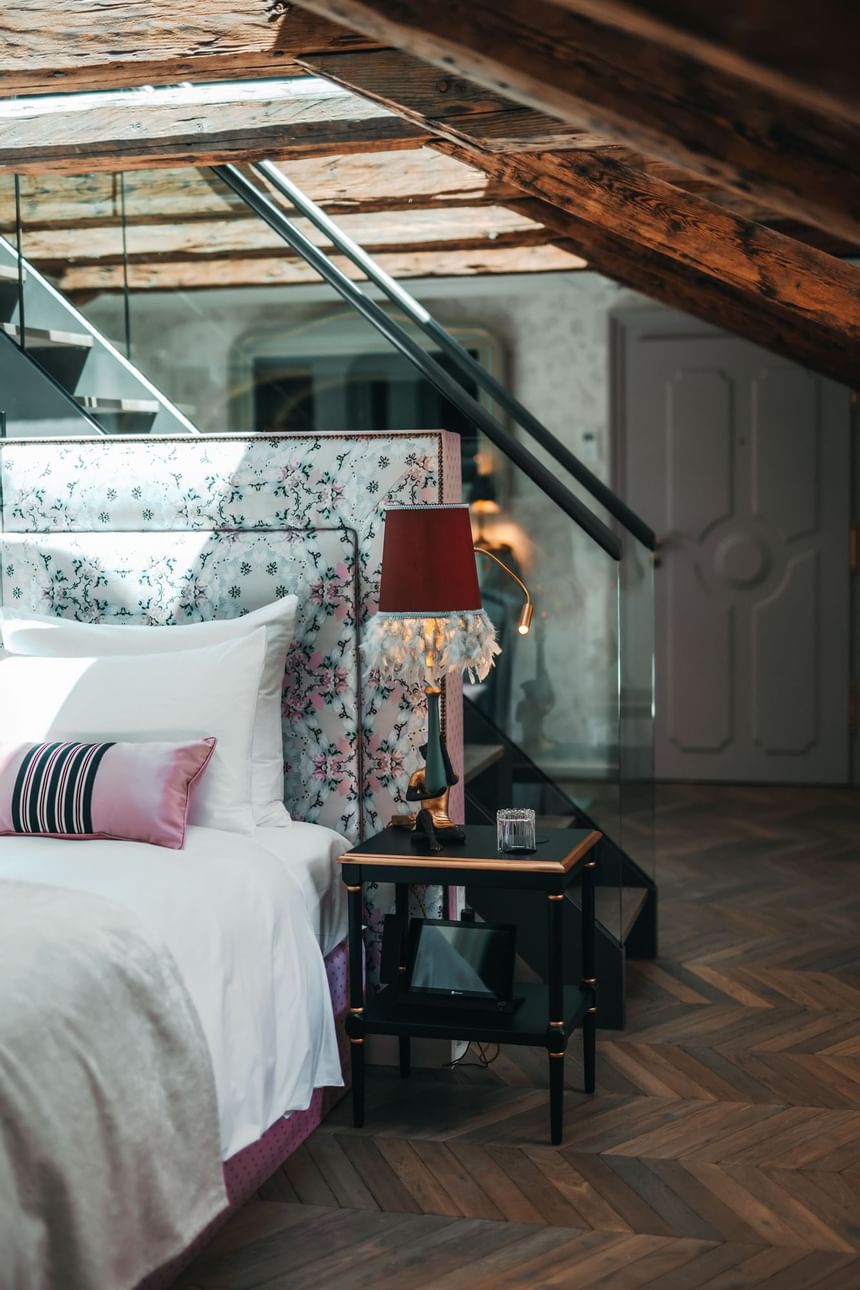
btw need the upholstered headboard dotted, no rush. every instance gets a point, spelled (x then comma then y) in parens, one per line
(180, 530)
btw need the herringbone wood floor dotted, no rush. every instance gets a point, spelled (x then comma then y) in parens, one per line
(722, 1150)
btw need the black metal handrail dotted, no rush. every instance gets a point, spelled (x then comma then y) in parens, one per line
(474, 371)
(428, 366)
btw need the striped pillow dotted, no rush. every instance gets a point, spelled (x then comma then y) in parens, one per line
(135, 791)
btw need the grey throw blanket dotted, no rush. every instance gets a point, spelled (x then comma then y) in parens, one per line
(109, 1142)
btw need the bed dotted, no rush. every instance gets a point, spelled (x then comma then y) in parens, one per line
(241, 934)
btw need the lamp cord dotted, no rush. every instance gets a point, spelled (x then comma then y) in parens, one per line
(483, 1061)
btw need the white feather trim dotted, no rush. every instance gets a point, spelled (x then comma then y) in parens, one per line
(419, 651)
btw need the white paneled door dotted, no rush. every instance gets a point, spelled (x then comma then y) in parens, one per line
(742, 464)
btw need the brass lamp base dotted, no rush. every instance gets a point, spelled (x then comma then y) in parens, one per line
(432, 825)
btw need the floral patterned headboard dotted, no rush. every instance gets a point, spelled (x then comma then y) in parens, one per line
(179, 530)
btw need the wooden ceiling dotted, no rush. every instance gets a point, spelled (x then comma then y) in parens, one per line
(705, 155)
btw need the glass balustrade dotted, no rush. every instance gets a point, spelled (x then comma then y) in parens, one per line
(235, 332)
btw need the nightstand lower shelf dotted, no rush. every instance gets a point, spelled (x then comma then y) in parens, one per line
(387, 1014)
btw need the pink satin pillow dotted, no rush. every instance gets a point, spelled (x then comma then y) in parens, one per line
(137, 792)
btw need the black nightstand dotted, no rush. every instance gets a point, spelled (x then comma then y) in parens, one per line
(548, 1012)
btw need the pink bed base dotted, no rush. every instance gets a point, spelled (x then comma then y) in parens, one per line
(250, 1167)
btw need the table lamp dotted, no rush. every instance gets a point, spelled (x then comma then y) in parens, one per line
(430, 622)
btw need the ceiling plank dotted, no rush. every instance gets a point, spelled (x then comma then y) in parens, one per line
(279, 119)
(288, 271)
(462, 228)
(90, 45)
(128, 131)
(418, 179)
(612, 84)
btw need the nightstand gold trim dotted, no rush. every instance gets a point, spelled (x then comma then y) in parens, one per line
(557, 1025)
(549, 897)
(356, 1041)
(357, 887)
(497, 864)
(356, 1012)
(556, 1054)
(589, 980)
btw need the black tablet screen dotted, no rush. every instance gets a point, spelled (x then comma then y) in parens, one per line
(463, 959)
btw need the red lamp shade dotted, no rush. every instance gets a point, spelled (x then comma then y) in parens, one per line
(428, 561)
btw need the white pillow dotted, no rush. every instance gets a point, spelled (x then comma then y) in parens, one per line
(190, 695)
(47, 636)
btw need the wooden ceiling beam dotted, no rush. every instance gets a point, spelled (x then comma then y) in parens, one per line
(285, 270)
(650, 273)
(807, 51)
(799, 293)
(684, 252)
(132, 131)
(616, 85)
(90, 45)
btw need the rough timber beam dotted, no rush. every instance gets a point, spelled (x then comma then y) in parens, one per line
(631, 87)
(753, 281)
(688, 253)
(808, 302)
(46, 48)
(169, 128)
(800, 48)
(653, 275)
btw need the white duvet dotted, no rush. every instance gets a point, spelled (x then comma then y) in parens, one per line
(109, 1160)
(235, 919)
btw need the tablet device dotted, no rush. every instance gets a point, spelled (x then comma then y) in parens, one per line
(466, 965)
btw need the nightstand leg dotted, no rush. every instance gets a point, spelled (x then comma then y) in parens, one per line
(356, 1054)
(556, 1020)
(355, 909)
(556, 1098)
(401, 907)
(589, 1022)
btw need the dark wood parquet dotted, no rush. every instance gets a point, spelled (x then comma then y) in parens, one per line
(722, 1151)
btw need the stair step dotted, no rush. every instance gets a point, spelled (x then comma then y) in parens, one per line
(9, 273)
(606, 908)
(479, 757)
(555, 821)
(48, 337)
(95, 403)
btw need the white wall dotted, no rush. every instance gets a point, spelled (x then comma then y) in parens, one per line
(552, 327)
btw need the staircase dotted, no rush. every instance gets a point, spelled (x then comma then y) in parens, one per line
(497, 770)
(59, 375)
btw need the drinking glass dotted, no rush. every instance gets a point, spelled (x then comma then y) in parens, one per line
(515, 829)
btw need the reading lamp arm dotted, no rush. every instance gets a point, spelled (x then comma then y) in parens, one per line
(527, 611)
